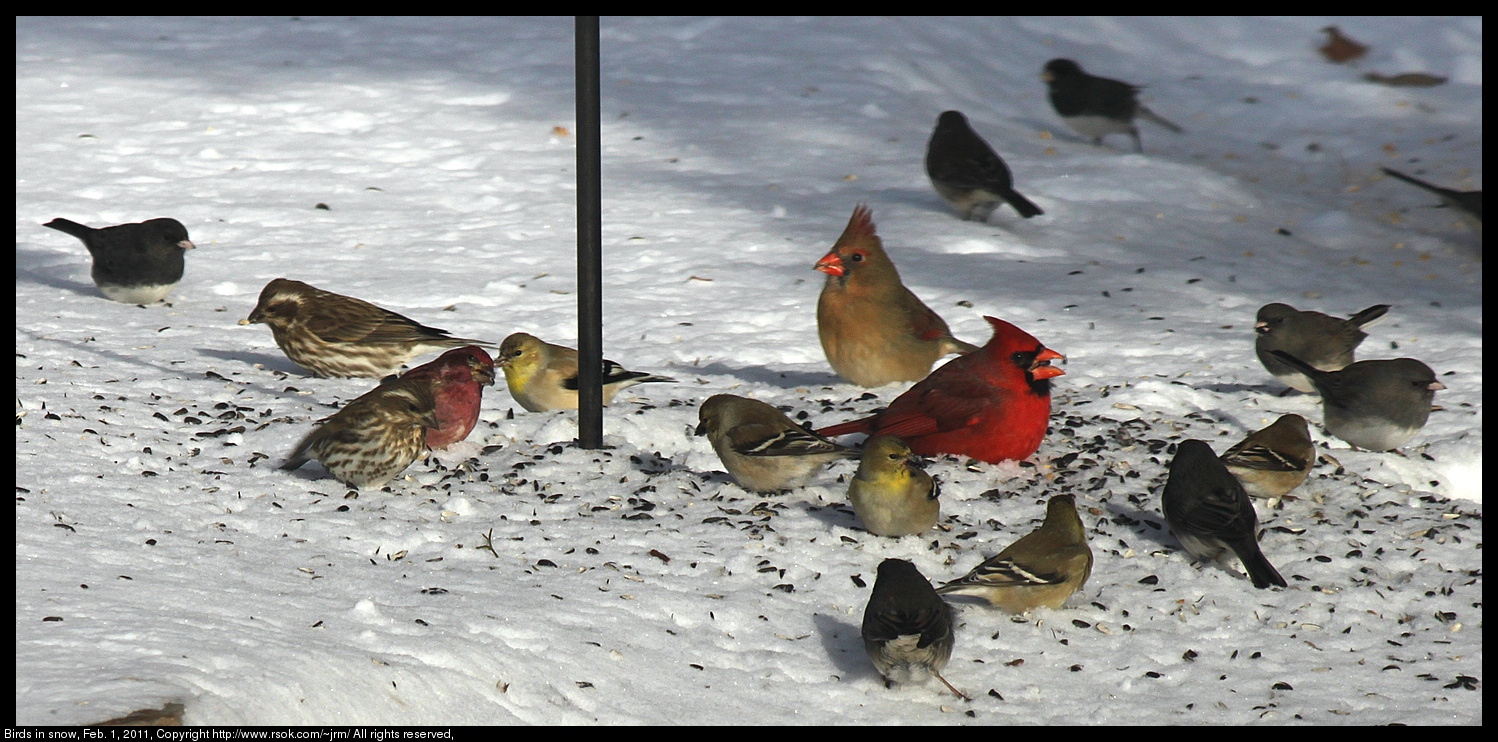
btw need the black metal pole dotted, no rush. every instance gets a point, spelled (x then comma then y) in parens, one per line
(589, 239)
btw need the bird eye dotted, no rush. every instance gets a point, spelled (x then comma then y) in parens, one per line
(895, 457)
(856, 257)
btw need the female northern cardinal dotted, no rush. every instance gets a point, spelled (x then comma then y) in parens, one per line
(874, 331)
(992, 404)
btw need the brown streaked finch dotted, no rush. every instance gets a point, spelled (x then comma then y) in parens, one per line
(374, 437)
(336, 336)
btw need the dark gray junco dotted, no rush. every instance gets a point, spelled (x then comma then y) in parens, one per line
(1209, 512)
(1323, 341)
(1467, 203)
(133, 263)
(1097, 106)
(968, 173)
(907, 627)
(1377, 405)
(1272, 461)
(1040, 570)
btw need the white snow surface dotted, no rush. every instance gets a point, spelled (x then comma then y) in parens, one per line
(162, 557)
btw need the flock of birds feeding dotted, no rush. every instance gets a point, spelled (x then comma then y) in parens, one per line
(992, 403)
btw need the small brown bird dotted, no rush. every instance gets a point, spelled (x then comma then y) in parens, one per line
(907, 627)
(1339, 49)
(373, 438)
(336, 336)
(1040, 570)
(542, 376)
(1271, 462)
(1324, 341)
(457, 379)
(873, 329)
(891, 496)
(1210, 513)
(761, 447)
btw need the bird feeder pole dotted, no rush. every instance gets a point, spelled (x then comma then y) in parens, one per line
(589, 238)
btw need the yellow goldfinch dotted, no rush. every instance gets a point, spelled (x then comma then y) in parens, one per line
(542, 376)
(907, 627)
(1041, 570)
(761, 447)
(1271, 462)
(890, 495)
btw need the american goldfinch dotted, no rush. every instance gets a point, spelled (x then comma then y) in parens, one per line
(907, 627)
(992, 404)
(457, 380)
(542, 376)
(761, 447)
(891, 496)
(1320, 340)
(1271, 462)
(373, 438)
(968, 173)
(873, 329)
(331, 335)
(1040, 570)
(1210, 513)
(1097, 106)
(133, 263)
(1377, 405)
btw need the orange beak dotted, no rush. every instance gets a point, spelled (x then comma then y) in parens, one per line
(831, 264)
(1042, 368)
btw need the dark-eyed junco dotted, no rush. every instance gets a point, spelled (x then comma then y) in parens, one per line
(543, 376)
(1377, 405)
(1324, 341)
(1338, 48)
(890, 494)
(1467, 203)
(761, 447)
(337, 336)
(1209, 511)
(133, 263)
(907, 627)
(1272, 461)
(968, 173)
(1097, 106)
(1040, 570)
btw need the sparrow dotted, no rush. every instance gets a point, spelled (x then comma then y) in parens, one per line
(373, 438)
(542, 376)
(133, 263)
(1376, 405)
(1321, 340)
(873, 329)
(891, 495)
(907, 627)
(1467, 203)
(968, 173)
(992, 404)
(761, 447)
(1271, 462)
(1338, 48)
(1209, 512)
(1040, 570)
(336, 336)
(457, 380)
(1097, 106)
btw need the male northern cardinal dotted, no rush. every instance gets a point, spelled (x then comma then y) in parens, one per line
(873, 329)
(991, 404)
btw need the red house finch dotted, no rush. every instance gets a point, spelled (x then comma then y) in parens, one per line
(374, 437)
(457, 380)
(338, 336)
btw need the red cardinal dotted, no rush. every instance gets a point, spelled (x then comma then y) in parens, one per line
(457, 379)
(992, 404)
(873, 329)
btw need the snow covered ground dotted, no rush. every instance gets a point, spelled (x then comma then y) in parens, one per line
(161, 556)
